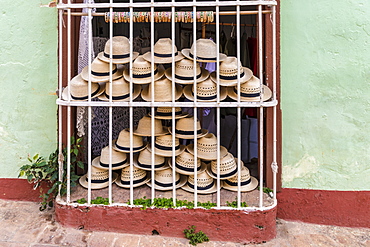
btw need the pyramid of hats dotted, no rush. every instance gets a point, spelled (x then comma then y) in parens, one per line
(99, 178)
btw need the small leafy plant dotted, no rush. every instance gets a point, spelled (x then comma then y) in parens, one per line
(234, 204)
(195, 237)
(168, 203)
(97, 200)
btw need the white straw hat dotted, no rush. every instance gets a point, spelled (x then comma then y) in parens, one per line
(99, 178)
(120, 51)
(206, 51)
(162, 91)
(100, 71)
(184, 72)
(144, 127)
(163, 180)
(163, 146)
(144, 161)
(250, 91)
(119, 159)
(207, 147)
(184, 164)
(121, 91)
(142, 71)
(228, 167)
(185, 128)
(163, 52)
(166, 113)
(122, 144)
(247, 182)
(205, 183)
(139, 177)
(79, 89)
(206, 91)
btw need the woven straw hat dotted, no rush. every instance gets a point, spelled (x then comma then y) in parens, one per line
(228, 73)
(163, 180)
(121, 91)
(100, 71)
(163, 52)
(163, 146)
(184, 164)
(166, 113)
(185, 128)
(250, 91)
(205, 183)
(206, 51)
(207, 148)
(139, 177)
(206, 91)
(120, 51)
(144, 127)
(119, 159)
(228, 167)
(184, 72)
(122, 144)
(247, 182)
(162, 91)
(144, 161)
(79, 89)
(142, 71)
(99, 178)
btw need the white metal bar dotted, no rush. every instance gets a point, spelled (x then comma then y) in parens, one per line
(60, 108)
(131, 110)
(152, 138)
(260, 57)
(110, 131)
(69, 108)
(239, 119)
(173, 39)
(89, 110)
(274, 137)
(195, 109)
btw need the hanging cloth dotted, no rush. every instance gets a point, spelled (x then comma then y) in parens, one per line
(244, 50)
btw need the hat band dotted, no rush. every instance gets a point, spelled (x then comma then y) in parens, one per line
(187, 78)
(227, 78)
(128, 148)
(202, 58)
(225, 175)
(150, 166)
(187, 132)
(165, 147)
(201, 188)
(205, 98)
(113, 165)
(86, 97)
(125, 96)
(187, 169)
(117, 56)
(236, 184)
(135, 181)
(165, 55)
(168, 114)
(145, 75)
(247, 95)
(103, 73)
(166, 185)
(96, 181)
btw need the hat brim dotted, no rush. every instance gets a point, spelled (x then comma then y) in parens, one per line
(186, 53)
(163, 132)
(97, 79)
(118, 61)
(210, 173)
(146, 80)
(266, 95)
(203, 167)
(165, 166)
(137, 91)
(228, 83)
(183, 180)
(145, 94)
(137, 149)
(120, 184)
(211, 190)
(161, 60)
(203, 77)
(96, 186)
(245, 188)
(182, 115)
(188, 92)
(204, 132)
(66, 96)
(165, 153)
(223, 152)
(96, 163)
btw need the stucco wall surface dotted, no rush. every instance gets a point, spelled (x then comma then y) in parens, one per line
(325, 76)
(28, 74)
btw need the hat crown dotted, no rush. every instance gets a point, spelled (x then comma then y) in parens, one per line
(164, 46)
(100, 66)
(80, 88)
(162, 90)
(185, 67)
(124, 139)
(145, 157)
(120, 45)
(140, 66)
(206, 88)
(187, 124)
(137, 173)
(186, 159)
(251, 86)
(203, 180)
(165, 176)
(119, 87)
(116, 156)
(98, 174)
(205, 48)
(244, 175)
(229, 67)
(145, 126)
(166, 141)
(227, 164)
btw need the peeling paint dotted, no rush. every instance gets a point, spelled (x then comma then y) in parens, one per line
(307, 165)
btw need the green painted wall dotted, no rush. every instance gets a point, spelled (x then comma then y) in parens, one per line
(28, 75)
(325, 77)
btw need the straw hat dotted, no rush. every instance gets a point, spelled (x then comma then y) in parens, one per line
(184, 164)
(139, 177)
(163, 52)
(99, 178)
(162, 91)
(163, 146)
(142, 71)
(206, 91)
(166, 113)
(205, 183)
(144, 127)
(100, 71)
(185, 128)
(79, 89)
(163, 180)
(184, 72)
(144, 161)
(121, 91)
(206, 51)
(250, 91)
(207, 147)
(122, 144)
(247, 182)
(120, 51)
(228, 167)
(228, 73)
(119, 160)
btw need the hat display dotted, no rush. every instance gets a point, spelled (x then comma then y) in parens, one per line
(206, 51)
(166, 113)
(122, 144)
(206, 91)
(184, 164)
(119, 159)
(139, 177)
(120, 91)
(247, 182)
(163, 52)
(120, 51)
(228, 167)
(100, 71)
(250, 91)
(79, 89)
(99, 178)
(162, 91)
(207, 148)
(228, 73)
(185, 128)
(184, 72)
(144, 127)
(142, 71)
(205, 183)
(163, 146)
(144, 161)
(163, 180)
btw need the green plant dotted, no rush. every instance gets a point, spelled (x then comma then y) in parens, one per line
(168, 203)
(97, 200)
(42, 171)
(195, 237)
(234, 204)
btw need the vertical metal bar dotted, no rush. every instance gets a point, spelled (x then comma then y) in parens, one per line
(239, 119)
(195, 109)
(69, 107)
(173, 38)
(89, 107)
(131, 108)
(60, 108)
(110, 131)
(260, 57)
(274, 159)
(218, 122)
(152, 99)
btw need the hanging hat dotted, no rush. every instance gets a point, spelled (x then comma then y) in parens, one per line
(122, 144)
(99, 178)
(184, 164)
(163, 52)
(206, 91)
(144, 127)
(144, 161)
(247, 182)
(142, 71)
(228, 167)
(119, 160)
(162, 91)
(163, 146)
(163, 180)
(205, 183)
(120, 51)
(206, 51)
(79, 89)
(207, 148)
(121, 91)
(185, 128)
(100, 71)
(228, 73)
(166, 113)
(184, 72)
(250, 91)
(139, 177)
